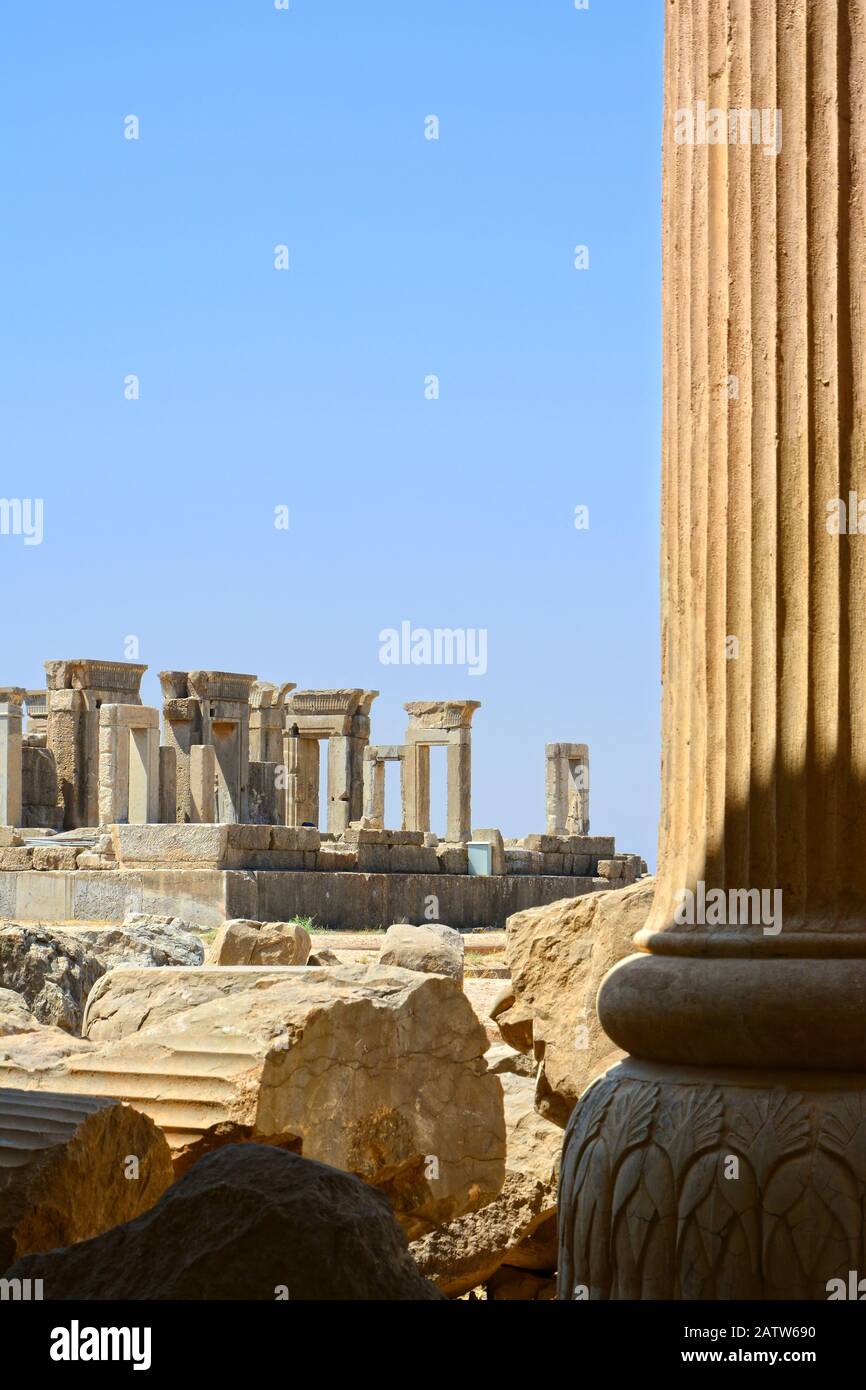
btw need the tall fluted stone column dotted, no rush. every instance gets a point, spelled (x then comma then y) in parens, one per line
(726, 1158)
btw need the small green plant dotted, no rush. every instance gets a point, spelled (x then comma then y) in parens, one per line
(305, 922)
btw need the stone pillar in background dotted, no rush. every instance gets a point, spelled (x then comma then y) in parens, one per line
(267, 720)
(167, 785)
(301, 761)
(181, 728)
(359, 739)
(567, 788)
(416, 787)
(434, 723)
(202, 784)
(11, 754)
(339, 782)
(373, 779)
(77, 690)
(128, 764)
(458, 815)
(734, 1136)
(374, 788)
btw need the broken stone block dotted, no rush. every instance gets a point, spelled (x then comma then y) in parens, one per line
(248, 1222)
(532, 1144)
(335, 860)
(322, 956)
(303, 838)
(173, 924)
(467, 1252)
(513, 1020)
(452, 859)
(524, 861)
(377, 1070)
(558, 957)
(413, 859)
(71, 1167)
(16, 859)
(243, 942)
(124, 1001)
(52, 969)
(609, 868)
(54, 856)
(373, 859)
(15, 1016)
(139, 941)
(431, 948)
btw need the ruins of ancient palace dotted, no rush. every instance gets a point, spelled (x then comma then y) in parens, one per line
(226, 778)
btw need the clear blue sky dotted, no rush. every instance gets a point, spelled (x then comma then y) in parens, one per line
(305, 388)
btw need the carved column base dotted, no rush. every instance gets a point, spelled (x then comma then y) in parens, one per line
(704, 1183)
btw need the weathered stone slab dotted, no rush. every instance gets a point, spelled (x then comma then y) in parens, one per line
(137, 846)
(125, 1001)
(377, 1070)
(71, 1167)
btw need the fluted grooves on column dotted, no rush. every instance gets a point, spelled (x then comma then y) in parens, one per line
(852, 327)
(764, 763)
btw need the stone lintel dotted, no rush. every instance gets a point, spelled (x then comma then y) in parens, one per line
(441, 714)
(85, 673)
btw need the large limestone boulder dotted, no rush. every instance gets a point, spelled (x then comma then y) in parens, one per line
(242, 942)
(142, 940)
(52, 969)
(247, 1222)
(558, 957)
(71, 1167)
(432, 949)
(517, 1230)
(376, 1070)
(125, 1001)
(15, 1016)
